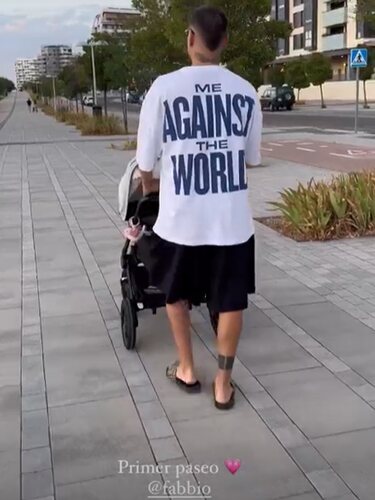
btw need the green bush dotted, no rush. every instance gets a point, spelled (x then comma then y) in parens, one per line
(345, 206)
(110, 125)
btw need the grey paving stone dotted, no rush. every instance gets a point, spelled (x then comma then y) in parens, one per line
(34, 429)
(10, 474)
(10, 342)
(352, 455)
(308, 459)
(139, 379)
(261, 401)
(158, 428)
(80, 331)
(32, 345)
(166, 448)
(32, 375)
(328, 483)
(83, 374)
(287, 291)
(264, 463)
(317, 402)
(9, 368)
(37, 485)
(270, 350)
(116, 487)
(150, 410)
(348, 338)
(36, 459)
(108, 430)
(10, 320)
(144, 394)
(59, 303)
(34, 402)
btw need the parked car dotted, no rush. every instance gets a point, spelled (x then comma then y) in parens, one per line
(88, 100)
(133, 97)
(276, 98)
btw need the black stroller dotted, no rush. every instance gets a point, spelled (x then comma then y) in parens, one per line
(137, 292)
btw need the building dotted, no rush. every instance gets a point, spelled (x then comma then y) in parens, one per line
(327, 26)
(53, 58)
(112, 20)
(27, 70)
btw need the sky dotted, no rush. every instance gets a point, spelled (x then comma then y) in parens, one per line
(25, 25)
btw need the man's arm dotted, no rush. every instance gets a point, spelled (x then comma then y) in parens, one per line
(253, 147)
(149, 141)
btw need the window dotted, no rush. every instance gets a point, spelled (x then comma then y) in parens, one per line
(298, 42)
(336, 30)
(298, 19)
(297, 2)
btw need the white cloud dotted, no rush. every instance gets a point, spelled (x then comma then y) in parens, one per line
(15, 26)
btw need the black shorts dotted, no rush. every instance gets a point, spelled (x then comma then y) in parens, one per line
(221, 276)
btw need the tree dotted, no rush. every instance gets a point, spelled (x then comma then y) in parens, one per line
(366, 11)
(6, 86)
(160, 40)
(319, 70)
(277, 76)
(296, 75)
(366, 74)
(76, 81)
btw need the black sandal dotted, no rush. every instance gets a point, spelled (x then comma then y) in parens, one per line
(224, 406)
(171, 373)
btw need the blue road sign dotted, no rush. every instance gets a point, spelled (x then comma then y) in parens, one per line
(358, 58)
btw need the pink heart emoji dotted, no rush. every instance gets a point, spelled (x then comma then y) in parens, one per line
(233, 464)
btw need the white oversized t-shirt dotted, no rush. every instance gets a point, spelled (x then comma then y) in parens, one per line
(204, 123)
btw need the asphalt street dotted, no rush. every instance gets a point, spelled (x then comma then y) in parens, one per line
(335, 117)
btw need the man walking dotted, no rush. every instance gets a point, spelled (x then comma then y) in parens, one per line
(29, 104)
(204, 125)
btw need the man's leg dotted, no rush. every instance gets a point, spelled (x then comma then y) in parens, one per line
(179, 318)
(228, 335)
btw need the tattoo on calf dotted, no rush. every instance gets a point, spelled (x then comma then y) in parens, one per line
(225, 362)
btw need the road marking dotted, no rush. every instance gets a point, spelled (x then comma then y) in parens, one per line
(276, 144)
(342, 155)
(305, 143)
(356, 152)
(307, 149)
(266, 149)
(323, 146)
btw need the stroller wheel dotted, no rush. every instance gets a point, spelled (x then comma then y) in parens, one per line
(214, 318)
(128, 324)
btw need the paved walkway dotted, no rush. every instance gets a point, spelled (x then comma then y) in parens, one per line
(73, 401)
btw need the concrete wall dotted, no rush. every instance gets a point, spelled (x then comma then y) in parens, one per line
(335, 91)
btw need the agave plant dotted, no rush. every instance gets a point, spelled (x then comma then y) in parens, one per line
(321, 210)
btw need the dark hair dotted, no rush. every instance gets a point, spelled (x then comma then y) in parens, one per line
(212, 25)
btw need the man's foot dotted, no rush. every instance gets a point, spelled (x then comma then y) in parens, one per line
(223, 395)
(185, 379)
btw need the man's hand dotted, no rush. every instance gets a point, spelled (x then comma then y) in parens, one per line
(149, 184)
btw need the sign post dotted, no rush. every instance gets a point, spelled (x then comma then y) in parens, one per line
(358, 59)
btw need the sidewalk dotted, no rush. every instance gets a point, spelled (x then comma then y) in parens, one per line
(74, 402)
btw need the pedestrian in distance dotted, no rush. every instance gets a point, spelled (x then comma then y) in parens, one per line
(203, 123)
(29, 103)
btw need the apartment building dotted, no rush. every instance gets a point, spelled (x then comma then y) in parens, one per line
(53, 58)
(113, 20)
(327, 26)
(27, 70)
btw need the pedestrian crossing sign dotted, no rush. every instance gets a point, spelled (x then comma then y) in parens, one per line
(358, 58)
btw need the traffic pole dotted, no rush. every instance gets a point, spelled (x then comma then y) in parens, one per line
(356, 102)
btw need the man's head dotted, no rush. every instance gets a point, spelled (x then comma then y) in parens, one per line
(207, 35)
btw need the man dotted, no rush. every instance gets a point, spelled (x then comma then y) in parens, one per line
(29, 104)
(203, 123)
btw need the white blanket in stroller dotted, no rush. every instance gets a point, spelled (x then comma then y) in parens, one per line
(129, 183)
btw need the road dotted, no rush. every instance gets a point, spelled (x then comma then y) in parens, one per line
(335, 117)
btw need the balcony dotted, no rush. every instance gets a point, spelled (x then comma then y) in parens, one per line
(333, 42)
(335, 17)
